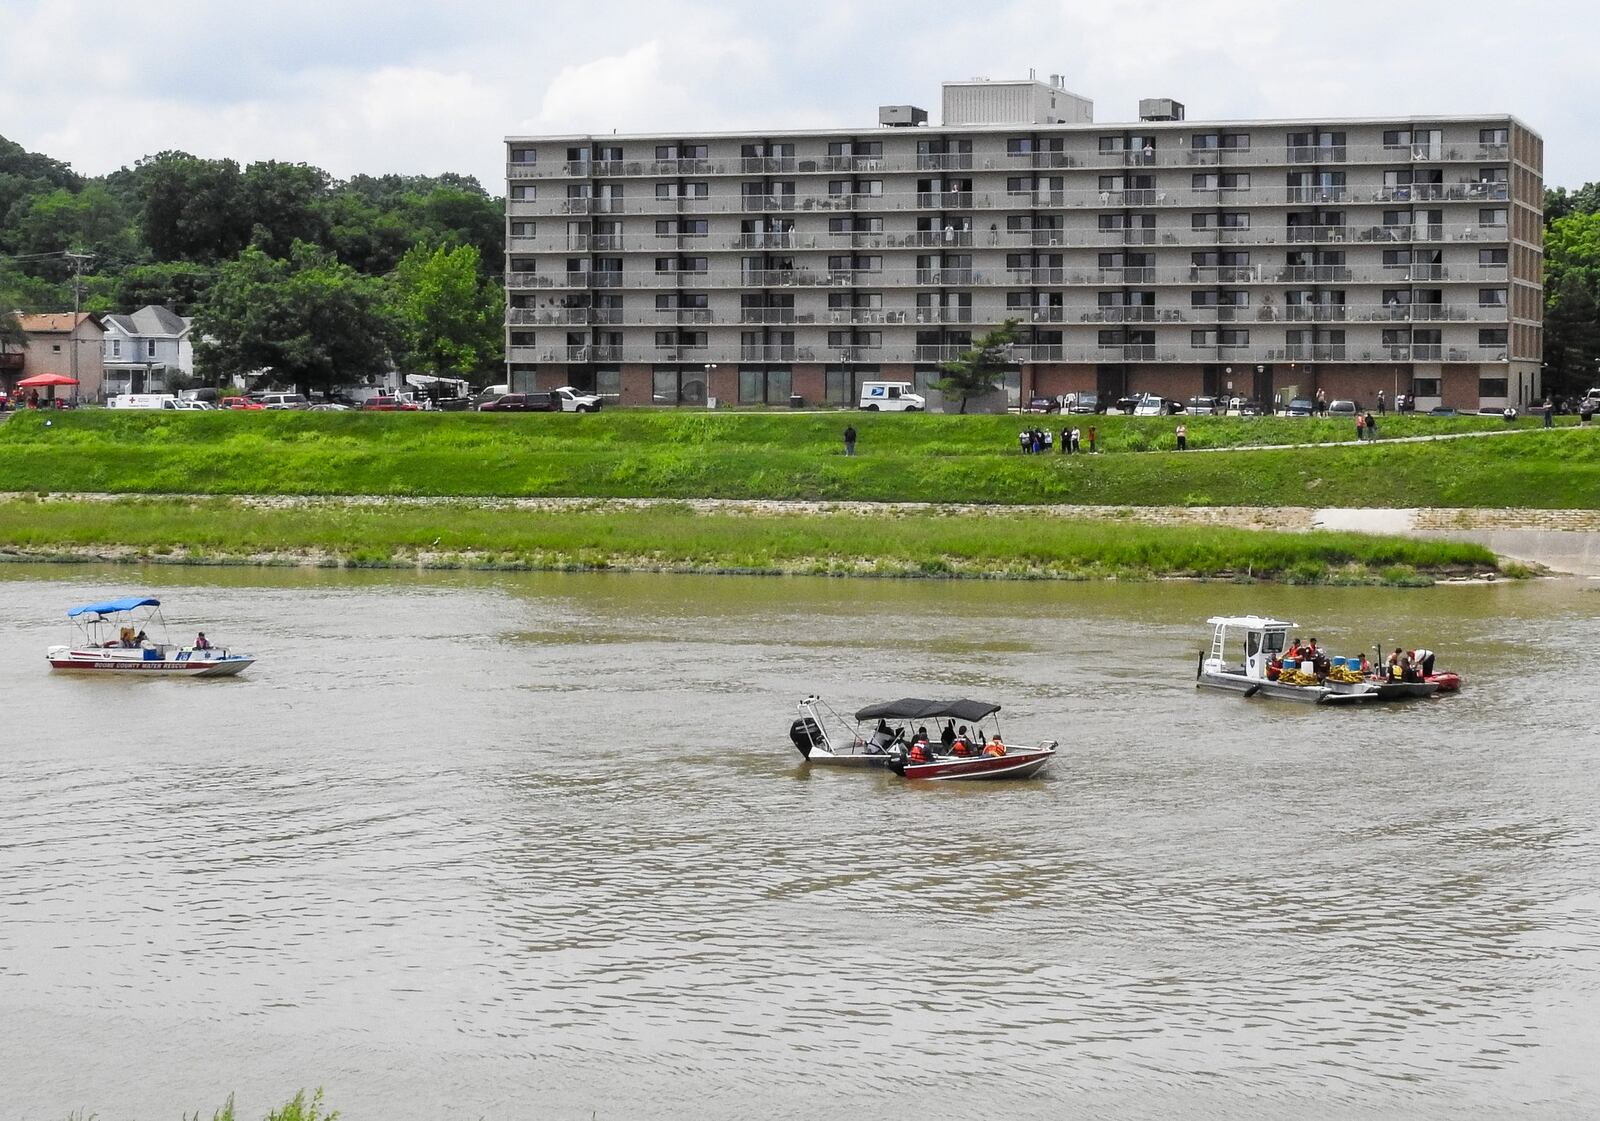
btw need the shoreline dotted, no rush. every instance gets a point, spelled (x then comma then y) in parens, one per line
(740, 537)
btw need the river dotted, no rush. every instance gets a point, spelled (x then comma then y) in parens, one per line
(504, 846)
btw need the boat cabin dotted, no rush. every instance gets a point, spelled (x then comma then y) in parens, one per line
(1255, 642)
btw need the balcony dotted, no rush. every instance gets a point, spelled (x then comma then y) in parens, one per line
(547, 317)
(1124, 314)
(683, 315)
(762, 204)
(522, 169)
(788, 353)
(854, 354)
(762, 316)
(931, 352)
(935, 239)
(606, 278)
(944, 200)
(1318, 153)
(942, 315)
(1314, 313)
(1314, 195)
(944, 161)
(1317, 352)
(1053, 160)
(766, 241)
(851, 163)
(767, 165)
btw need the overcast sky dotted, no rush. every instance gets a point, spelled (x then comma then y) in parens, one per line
(386, 85)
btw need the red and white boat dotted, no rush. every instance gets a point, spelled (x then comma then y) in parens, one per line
(897, 735)
(116, 639)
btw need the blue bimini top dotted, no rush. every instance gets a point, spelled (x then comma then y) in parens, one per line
(112, 606)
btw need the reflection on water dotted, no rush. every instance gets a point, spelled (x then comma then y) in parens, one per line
(469, 845)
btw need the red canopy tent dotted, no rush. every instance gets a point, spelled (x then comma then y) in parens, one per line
(49, 381)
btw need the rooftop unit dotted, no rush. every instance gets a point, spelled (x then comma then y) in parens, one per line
(1025, 101)
(901, 116)
(1160, 109)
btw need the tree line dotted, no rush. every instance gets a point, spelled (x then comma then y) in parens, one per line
(283, 267)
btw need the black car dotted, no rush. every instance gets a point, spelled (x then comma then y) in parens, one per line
(1442, 410)
(1126, 405)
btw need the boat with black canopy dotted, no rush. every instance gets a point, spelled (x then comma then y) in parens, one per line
(917, 738)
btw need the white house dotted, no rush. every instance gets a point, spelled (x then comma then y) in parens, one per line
(141, 348)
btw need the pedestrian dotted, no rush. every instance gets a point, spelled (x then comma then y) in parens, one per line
(1183, 437)
(1361, 427)
(1549, 412)
(1048, 442)
(1585, 411)
(1321, 403)
(1381, 406)
(1066, 441)
(849, 439)
(1092, 438)
(1077, 445)
(1372, 428)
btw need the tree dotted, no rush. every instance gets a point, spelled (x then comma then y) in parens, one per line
(193, 209)
(178, 285)
(12, 336)
(974, 373)
(447, 316)
(282, 201)
(312, 321)
(90, 220)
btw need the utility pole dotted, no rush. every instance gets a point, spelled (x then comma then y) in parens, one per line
(78, 261)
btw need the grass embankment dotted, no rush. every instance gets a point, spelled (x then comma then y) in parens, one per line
(783, 456)
(674, 537)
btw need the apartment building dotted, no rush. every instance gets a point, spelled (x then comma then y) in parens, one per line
(1260, 259)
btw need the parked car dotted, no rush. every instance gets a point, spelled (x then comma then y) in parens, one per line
(195, 406)
(1203, 406)
(1042, 405)
(1150, 405)
(521, 403)
(1085, 403)
(241, 404)
(329, 407)
(1442, 410)
(1241, 406)
(1343, 407)
(1126, 405)
(1300, 406)
(390, 404)
(284, 401)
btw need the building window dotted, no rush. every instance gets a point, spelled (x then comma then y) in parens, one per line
(1491, 297)
(524, 155)
(116, 348)
(1493, 387)
(838, 386)
(524, 229)
(763, 386)
(1495, 217)
(1491, 257)
(524, 191)
(522, 338)
(1491, 336)
(1425, 387)
(1492, 135)
(608, 384)
(55, 348)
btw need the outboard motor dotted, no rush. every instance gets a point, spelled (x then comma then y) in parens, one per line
(806, 734)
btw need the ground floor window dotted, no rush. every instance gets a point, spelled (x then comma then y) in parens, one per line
(1425, 387)
(843, 385)
(771, 387)
(1493, 387)
(520, 378)
(608, 384)
(672, 386)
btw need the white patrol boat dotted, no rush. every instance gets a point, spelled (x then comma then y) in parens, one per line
(116, 639)
(1257, 646)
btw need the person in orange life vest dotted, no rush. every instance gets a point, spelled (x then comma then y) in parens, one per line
(920, 753)
(994, 746)
(1274, 669)
(960, 746)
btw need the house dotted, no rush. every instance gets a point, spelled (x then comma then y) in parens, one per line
(63, 343)
(140, 350)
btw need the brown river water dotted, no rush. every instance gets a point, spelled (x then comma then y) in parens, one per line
(513, 846)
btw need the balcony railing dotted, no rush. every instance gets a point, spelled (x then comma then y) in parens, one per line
(771, 353)
(767, 165)
(944, 161)
(944, 200)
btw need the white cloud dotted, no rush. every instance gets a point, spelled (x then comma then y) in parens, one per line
(364, 85)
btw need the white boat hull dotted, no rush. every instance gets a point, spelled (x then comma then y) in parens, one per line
(167, 662)
(1305, 694)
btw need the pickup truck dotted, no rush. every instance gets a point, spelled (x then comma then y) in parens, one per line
(563, 400)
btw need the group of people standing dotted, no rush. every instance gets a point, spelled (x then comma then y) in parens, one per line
(1366, 427)
(1041, 441)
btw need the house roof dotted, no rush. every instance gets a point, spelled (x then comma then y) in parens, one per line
(151, 321)
(55, 323)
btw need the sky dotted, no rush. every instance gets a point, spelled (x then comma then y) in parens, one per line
(375, 86)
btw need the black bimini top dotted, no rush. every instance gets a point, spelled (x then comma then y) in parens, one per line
(915, 708)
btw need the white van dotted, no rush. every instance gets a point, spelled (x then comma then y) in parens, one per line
(143, 401)
(891, 397)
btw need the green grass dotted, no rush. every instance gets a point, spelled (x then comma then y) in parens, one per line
(774, 455)
(671, 536)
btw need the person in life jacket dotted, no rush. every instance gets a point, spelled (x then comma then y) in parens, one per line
(994, 746)
(1396, 669)
(920, 753)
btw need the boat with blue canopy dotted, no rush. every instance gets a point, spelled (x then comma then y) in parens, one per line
(128, 635)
